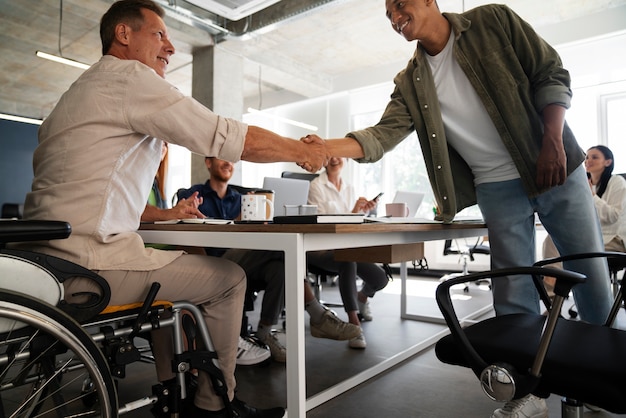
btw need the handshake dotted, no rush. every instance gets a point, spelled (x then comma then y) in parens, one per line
(317, 153)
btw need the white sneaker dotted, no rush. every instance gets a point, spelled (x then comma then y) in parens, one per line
(279, 352)
(249, 353)
(357, 342)
(365, 311)
(529, 406)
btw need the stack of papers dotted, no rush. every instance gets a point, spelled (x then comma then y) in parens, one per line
(402, 220)
(330, 218)
(196, 221)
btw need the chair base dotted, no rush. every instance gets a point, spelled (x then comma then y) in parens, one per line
(571, 408)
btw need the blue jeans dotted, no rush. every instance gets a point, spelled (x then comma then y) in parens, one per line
(568, 214)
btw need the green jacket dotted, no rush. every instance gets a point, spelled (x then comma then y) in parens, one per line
(515, 73)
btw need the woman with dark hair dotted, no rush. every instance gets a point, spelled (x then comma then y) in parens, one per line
(609, 196)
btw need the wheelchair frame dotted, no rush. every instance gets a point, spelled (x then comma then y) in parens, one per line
(66, 360)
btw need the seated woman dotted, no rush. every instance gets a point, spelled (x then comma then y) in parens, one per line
(609, 196)
(332, 195)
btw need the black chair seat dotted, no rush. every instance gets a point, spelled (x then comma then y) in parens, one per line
(591, 369)
(616, 265)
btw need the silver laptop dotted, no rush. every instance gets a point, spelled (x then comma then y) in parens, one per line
(413, 201)
(287, 192)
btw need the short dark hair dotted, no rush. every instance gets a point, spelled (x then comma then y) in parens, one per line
(124, 11)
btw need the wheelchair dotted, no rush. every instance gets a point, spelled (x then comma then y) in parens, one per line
(518, 354)
(64, 357)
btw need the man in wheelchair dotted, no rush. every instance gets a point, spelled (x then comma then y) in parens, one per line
(94, 167)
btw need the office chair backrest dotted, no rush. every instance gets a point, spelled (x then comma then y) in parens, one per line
(299, 175)
(12, 210)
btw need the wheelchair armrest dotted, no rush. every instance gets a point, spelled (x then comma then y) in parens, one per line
(16, 230)
(63, 270)
(444, 301)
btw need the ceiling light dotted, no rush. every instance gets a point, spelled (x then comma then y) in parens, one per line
(20, 119)
(62, 60)
(285, 120)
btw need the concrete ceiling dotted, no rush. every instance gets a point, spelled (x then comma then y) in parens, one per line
(320, 47)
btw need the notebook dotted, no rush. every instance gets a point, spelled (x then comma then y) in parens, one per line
(287, 192)
(413, 201)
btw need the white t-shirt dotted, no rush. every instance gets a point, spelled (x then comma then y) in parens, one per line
(469, 129)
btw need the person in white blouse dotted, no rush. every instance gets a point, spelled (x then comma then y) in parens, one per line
(609, 196)
(332, 195)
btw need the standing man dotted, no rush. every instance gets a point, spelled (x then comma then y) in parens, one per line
(94, 167)
(487, 97)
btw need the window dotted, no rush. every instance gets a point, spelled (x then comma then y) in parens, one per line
(614, 127)
(400, 169)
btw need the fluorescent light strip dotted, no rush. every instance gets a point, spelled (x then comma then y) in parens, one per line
(285, 120)
(20, 119)
(62, 60)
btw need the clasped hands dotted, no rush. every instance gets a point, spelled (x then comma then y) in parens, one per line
(188, 208)
(318, 154)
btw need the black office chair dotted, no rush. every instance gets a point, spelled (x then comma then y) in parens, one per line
(518, 354)
(466, 254)
(298, 175)
(12, 210)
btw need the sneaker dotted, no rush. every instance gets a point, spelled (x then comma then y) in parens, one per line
(357, 342)
(333, 328)
(279, 352)
(529, 406)
(364, 311)
(249, 353)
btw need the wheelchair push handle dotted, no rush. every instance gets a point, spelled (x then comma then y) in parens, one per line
(145, 308)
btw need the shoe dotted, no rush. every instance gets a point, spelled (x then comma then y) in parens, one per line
(529, 406)
(357, 342)
(240, 409)
(249, 354)
(244, 411)
(279, 352)
(364, 311)
(333, 328)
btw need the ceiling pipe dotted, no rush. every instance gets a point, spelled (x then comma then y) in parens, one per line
(220, 27)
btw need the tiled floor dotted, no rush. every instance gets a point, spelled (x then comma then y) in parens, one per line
(420, 387)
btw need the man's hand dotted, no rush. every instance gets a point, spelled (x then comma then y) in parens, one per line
(184, 209)
(551, 164)
(187, 208)
(318, 154)
(552, 160)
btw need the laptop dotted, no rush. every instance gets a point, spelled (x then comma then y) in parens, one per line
(413, 201)
(287, 192)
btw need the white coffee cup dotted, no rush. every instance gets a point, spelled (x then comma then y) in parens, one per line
(256, 207)
(269, 194)
(397, 210)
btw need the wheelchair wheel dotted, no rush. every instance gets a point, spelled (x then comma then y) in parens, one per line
(45, 360)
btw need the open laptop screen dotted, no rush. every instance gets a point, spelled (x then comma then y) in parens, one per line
(287, 192)
(413, 201)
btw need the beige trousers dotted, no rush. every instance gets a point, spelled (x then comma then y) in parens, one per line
(216, 285)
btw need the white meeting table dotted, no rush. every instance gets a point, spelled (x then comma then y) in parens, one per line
(296, 240)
